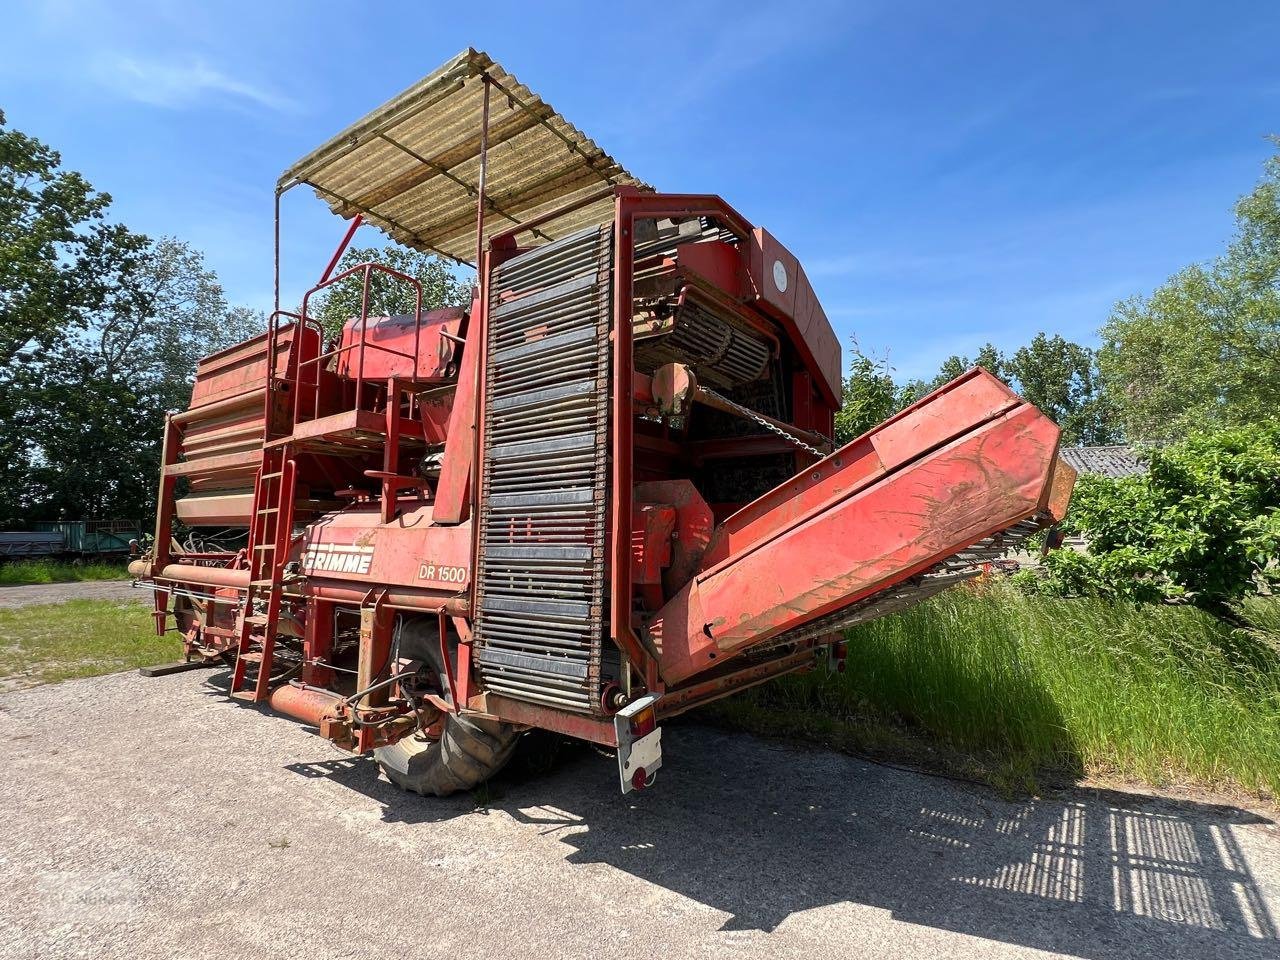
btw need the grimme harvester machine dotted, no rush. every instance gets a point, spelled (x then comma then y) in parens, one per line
(602, 494)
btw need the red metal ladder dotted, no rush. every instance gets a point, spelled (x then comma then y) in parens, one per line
(269, 539)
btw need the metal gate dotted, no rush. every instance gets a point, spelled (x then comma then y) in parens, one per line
(540, 582)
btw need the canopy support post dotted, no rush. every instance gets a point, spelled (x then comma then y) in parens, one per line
(484, 168)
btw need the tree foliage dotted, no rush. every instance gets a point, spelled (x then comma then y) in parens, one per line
(1203, 350)
(388, 295)
(92, 440)
(1203, 525)
(56, 250)
(185, 316)
(1061, 378)
(1053, 373)
(88, 411)
(870, 395)
(100, 329)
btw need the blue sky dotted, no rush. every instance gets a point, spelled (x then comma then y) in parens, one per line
(948, 173)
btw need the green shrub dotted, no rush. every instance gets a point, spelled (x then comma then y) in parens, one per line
(1203, 525)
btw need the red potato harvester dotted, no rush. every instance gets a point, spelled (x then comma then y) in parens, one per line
(602, 494)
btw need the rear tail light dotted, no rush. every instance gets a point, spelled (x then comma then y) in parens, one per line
(644, 722)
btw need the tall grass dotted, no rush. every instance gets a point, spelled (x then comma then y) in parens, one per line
(1027, 685)
(22, 572)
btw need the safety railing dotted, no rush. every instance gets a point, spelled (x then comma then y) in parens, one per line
(293, 358)
(359, 342)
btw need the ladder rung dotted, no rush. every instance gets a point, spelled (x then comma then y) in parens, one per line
(265, 546)
(258, 620)
(272, 476)
(268, 510)
(251, 657)
(261, 583)
(249, 695)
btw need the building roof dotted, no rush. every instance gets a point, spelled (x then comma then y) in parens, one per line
(1113, 461)
(412, 166)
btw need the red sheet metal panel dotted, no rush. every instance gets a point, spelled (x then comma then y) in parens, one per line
(780, 285)
(409, 551)
(388, 346)
(863, 541)
(242, 368)
(220, 436)
(948, 412)
(1058, 495)
(715, 263)
(216, 509)
(453, 491)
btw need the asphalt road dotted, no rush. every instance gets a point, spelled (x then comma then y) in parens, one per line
(37, 593)
(154, 818)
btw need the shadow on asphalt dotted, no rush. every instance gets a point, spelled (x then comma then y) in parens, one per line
(761, 831)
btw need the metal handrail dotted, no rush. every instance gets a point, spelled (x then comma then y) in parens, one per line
(290, 373)
(352, 346)
(366, 269)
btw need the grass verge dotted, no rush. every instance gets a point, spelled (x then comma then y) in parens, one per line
(79, 638)
(1022, 692)
(23, 572)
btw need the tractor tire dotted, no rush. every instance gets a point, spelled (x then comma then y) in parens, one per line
(470, 749)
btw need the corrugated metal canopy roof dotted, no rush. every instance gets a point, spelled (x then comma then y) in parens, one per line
(412, 166)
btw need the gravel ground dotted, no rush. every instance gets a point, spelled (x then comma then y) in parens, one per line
(154, 818)
(35, 593)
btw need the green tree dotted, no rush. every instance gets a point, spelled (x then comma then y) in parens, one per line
(15, 451)
(84, 440)
(870, 396)
(1203, 350)
(100, 396)
(988, 357)
(53, 241)
(94, 440)
(1061, 378)
(1056, 375)
(100, 329)
(181, 316)
(388, 295)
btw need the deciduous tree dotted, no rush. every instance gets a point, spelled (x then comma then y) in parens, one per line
(1203, 349)
(1061, 378)
(99, 396)
(1057, 375)
(388, 295)
(52, 240)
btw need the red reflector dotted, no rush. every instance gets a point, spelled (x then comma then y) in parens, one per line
(643, 722)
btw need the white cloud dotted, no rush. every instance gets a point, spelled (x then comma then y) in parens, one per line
(181, 83)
